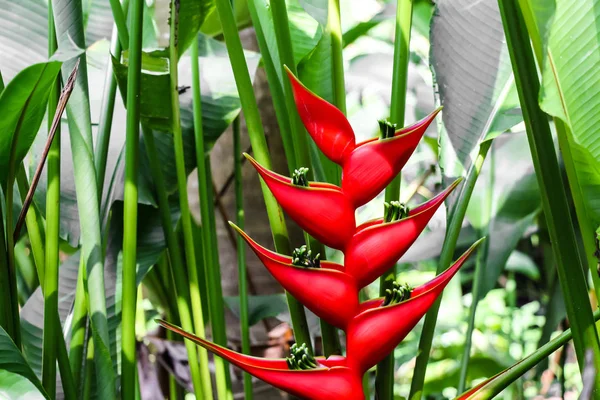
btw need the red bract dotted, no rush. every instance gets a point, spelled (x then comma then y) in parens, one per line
(378, 245)
(320, 209)
(367, 167)
(319, 289)
(375, 332)
(375, 327)
(330, 380)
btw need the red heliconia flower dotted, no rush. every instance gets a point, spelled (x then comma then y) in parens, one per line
(377, 246)
(321, 209)
(367, 167)
(377, 330)
(327, 291)
(330, 379)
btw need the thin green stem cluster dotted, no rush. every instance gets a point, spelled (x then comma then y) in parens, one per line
(130, 206)
(384, 382)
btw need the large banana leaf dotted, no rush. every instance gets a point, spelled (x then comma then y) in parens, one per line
(24, 31)
(571, 85)
(473, 78)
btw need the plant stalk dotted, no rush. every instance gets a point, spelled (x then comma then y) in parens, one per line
(209, 243)
(554, 199)
(334, 30)
(199, 368)
(241, 254)
(384, 380)
(130, 205)
(261, 153)
(455, 219)
(108, 103)
(275, 88)
(51, 329)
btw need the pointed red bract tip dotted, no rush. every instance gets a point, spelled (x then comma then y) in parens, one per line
(375, 248)
(319, 384)
(321, 290)
(327, 125)
(320, 210)
(374, 333)
(375, 163)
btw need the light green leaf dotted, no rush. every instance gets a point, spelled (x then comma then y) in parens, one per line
(14, 367)
(304, 29)
(14, 386)
(22, 108)
(212, 24)
(318, 9)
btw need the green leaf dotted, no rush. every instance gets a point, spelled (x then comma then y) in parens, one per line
(304, 29)
(473, 77)
(571, 86)
(15, 369)
(212, 24)
(192, 14)
(154, 90)
(22, 108)
(14, 386)
(259, 307)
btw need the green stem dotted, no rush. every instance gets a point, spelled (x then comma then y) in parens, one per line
(88, 371)
(261, 152)
(51, 329)
(5, 303)
(241, 254)
(14, 326)
(334, 30)
(198, 360)
(130, 206)
(78, 327)
(455, 219)
(36, 241)
(275, 87)
(211, 264)
(120, 23)
(107, 110)
(384, 380)
(482, 253)
(554, 199)
(35, 226)
(508, 376)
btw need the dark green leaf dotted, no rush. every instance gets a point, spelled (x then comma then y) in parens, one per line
(192, 14)
(22, 108)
